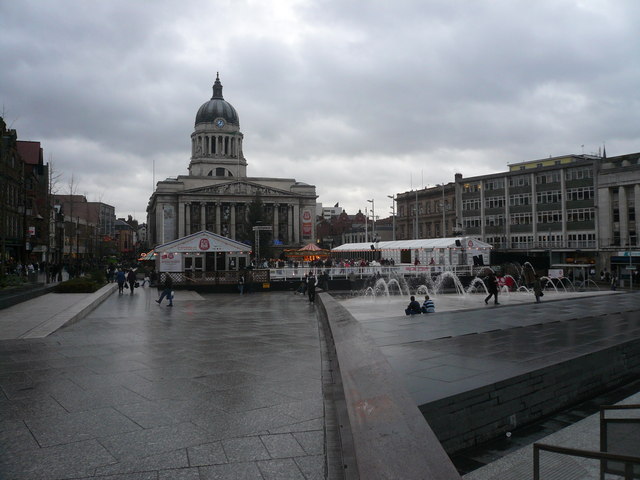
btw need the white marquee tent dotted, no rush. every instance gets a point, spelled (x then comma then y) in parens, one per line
(428, 251)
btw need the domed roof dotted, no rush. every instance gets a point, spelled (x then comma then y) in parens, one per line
(217, 107)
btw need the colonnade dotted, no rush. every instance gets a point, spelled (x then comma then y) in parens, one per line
(223, 145)
(224, 219)
(607, 201)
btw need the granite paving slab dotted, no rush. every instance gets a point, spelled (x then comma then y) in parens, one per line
(219, 386)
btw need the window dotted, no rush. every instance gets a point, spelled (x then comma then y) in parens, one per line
(468, 222)
(581, 193)
(548, 177)
(494, 220)
(520, 199)
(550, 196)
(521, 218)
(470, 187)
(580, 214)
(578, 173)
(551, 216)
(473, 204)
(494, 202)
(495, 184)
(519, 181)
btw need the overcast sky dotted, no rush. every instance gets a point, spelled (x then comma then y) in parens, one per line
(362, 99)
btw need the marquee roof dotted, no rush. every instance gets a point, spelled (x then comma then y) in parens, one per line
(420, 243)
(203, 242)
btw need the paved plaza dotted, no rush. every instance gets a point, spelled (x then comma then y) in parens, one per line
(219, 386)
(224, 386)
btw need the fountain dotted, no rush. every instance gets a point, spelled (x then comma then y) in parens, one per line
(388, 297)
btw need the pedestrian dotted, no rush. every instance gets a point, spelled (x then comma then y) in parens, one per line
(121, 278)
(131, 279)
(166, 290)
(241, 283)
(428, 306)
(311, 286)
(413, 308)
(492, 288)
(614, 282)
(537, 288)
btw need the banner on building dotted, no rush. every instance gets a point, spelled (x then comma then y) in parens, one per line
(307, 224)
(171, 262)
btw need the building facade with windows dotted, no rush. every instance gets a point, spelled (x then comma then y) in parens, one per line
(427, 213)
(618, 192)
(543, 208)
(217, 195)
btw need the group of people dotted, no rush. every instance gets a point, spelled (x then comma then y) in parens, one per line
(415, 308)
(126, 280)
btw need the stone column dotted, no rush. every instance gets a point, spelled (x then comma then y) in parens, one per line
(296, 223)
(563, 203)
(218, 219)
(290, 224)
(276, 221)
(636, 203)
(232, 221)
(605, 213)
(187, 228)
(181, 219)
(203, 216)
(623, 209)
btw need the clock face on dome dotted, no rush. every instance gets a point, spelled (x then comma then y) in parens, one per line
(220, 123)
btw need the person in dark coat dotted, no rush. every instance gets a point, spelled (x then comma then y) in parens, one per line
(414, 307)
(492, 288)
(537, 288)
(166, 290)
(121, 278)
(311, 286)
(131, 279)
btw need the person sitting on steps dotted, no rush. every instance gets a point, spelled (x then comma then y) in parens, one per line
(413, 308)
(428, 306)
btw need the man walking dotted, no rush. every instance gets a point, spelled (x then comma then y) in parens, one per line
(166, 290)
(492, 288)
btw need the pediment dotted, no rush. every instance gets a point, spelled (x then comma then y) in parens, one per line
(248, 189)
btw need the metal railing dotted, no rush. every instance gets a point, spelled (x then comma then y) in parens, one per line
(620, 435)
(627, 467)
(297, 273)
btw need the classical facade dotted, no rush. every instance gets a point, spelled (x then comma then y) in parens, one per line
(217, 195)
(619, 207)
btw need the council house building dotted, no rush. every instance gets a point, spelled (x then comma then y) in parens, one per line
(216, 194)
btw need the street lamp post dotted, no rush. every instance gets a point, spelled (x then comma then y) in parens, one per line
(373, 218)
(393, 215)
(444, 223)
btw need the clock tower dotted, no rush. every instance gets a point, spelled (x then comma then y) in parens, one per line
(216, 142)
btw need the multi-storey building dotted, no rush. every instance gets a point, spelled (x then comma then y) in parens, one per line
(36, 201)
(542, 209)
(427, 213)
(12, 230)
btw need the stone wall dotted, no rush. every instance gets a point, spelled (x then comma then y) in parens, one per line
(465, 420)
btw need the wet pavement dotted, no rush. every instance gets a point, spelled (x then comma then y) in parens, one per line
(224, 386)
(219, 386)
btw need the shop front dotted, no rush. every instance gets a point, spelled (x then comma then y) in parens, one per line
(203, 258)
